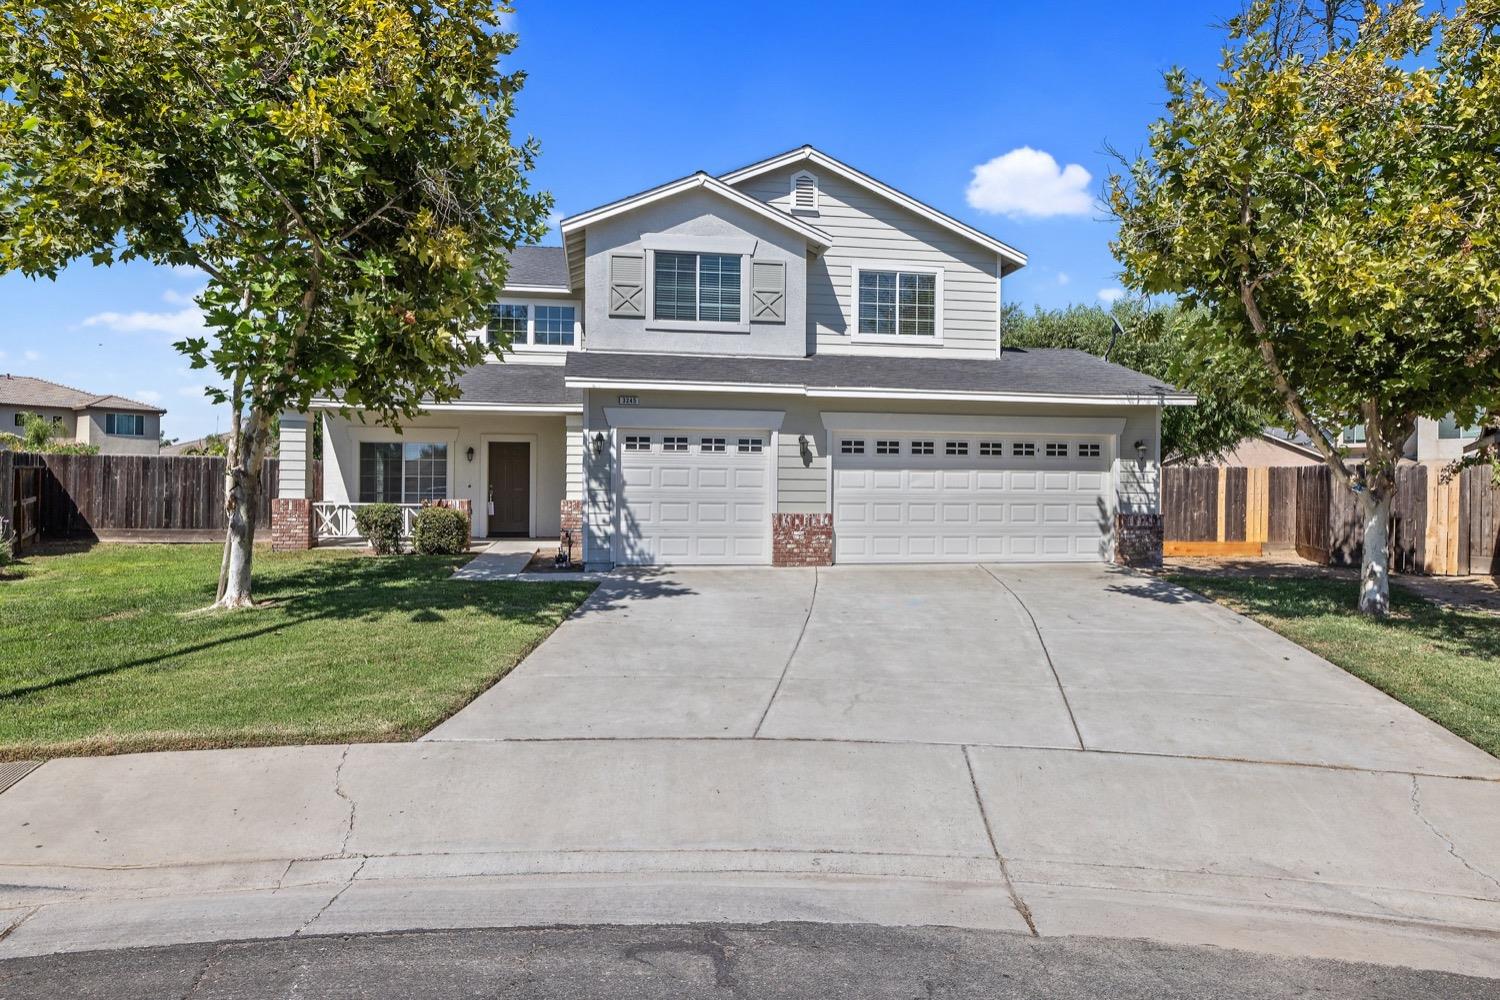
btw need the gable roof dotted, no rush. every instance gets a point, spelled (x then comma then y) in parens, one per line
(24, 390)
(573, 226)
(1031, 374)
(1012, 259)
(537, 268)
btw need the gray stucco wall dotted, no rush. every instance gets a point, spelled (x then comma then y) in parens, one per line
(802, 480)
(866, 227)
(694, 214)
(8, 419)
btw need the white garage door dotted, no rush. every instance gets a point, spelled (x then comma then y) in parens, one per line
(939, 498)
(690, 497)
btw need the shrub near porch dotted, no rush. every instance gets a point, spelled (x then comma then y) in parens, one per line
(100, 651)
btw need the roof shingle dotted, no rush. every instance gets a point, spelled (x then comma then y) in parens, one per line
(543, 267)
(24, 390)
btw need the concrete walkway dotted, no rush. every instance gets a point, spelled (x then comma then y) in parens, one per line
(1042, 751)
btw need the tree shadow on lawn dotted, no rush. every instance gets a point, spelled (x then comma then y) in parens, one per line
(353, 590)
(1292, 598)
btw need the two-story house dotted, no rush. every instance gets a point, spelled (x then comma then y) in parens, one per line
(113, 424)
(789, 364)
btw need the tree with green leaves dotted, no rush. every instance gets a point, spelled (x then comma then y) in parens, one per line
(341, 170)
(1159, 340)
(1338, 217)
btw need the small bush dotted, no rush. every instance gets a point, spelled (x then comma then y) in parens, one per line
(440, 531)
(381, 524)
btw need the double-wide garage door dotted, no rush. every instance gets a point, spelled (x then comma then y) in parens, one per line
(929, 497)
(694, 497)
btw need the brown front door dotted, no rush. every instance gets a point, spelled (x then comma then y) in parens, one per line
(510, 488)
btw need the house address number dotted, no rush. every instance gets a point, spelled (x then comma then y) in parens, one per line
(630, 401)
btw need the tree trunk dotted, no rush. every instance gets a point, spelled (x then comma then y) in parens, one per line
(1375, 563)
(241, 493)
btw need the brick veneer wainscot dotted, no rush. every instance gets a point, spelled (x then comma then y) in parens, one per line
(1138, 539)
(572, 523)
(291, 525)
(802, 539)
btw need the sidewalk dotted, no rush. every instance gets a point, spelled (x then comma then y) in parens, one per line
(1287, 859)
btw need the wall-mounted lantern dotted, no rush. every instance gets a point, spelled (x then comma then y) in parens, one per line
(1140, 450)
(470, 453)
(598, 443)
(805, 447)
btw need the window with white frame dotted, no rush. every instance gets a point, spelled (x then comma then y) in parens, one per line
(1088, 450)
(697, 287)
(637, 442)
(713, 445)
(533, 324)
(922, 447)
(753, 446)
(991, 449)
(897, 303)
(851, 446)
(124, 424)
(1023, 449)
(887, 447)
(1057, 449)
(674, 444)
(956, 448)
(554, 326)
(402, 471)
(508, 321)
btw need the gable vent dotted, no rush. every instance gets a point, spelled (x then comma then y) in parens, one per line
(804, 192)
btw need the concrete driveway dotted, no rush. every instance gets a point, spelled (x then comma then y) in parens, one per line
(1069, 657)
(1047, 751)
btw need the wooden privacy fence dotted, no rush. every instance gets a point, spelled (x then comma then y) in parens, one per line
(138, 497)
(1442, 527)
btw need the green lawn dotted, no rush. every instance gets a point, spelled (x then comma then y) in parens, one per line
(100, 651)
(1441, 662)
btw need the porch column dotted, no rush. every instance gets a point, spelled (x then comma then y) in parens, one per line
(292, 521)
(571, 513)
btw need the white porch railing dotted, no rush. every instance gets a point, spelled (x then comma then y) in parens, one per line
(335, 521)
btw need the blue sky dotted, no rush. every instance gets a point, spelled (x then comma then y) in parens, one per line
(625, 96)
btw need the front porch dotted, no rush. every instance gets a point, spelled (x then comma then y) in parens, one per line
(508, 469)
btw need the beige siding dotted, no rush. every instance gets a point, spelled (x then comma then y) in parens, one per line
(866, 227)
(802, 483)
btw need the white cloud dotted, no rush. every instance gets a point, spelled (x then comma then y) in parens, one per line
(1028, 183)
(186, 271)
(182, 323)
(176, 298)
(32, 355)
(1109, 296)
(1063, 277)
(148, 395)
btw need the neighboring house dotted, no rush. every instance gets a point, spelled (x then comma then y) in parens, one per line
(1264, 450)
(119, 426)
(789, 364)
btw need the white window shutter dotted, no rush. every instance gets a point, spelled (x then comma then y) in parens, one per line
(768, 292)
(804, 192)
(627, 285)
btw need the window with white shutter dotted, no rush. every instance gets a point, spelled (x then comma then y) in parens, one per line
(627, 285)
(768, 292)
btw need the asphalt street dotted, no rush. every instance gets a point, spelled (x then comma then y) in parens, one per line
(723, 962)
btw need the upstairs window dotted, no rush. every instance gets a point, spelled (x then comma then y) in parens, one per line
(1448, 429)
(507, 321)
(554, 326)
(697, 287)
(124, 424)
(897, 303)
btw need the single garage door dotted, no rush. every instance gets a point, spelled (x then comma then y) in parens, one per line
(939, 498)
(687, 497)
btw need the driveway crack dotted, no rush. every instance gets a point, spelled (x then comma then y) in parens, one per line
(786, 668)
(1416, 808)
(989, 831)
(1072, 719)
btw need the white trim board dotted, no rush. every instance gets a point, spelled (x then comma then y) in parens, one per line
(815, 392)
(951, 423)
(666, 417)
